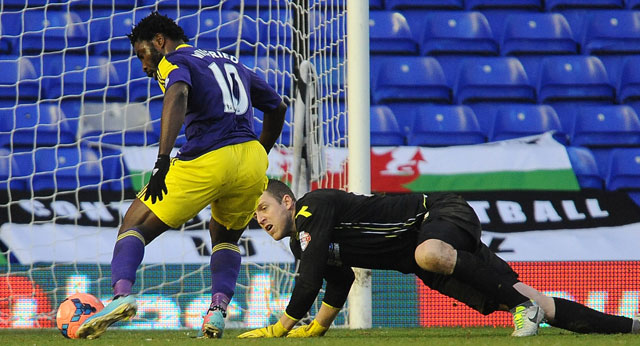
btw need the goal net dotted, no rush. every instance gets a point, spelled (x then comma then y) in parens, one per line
(79, 127)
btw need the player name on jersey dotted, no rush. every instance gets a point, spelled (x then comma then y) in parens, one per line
(201, 53)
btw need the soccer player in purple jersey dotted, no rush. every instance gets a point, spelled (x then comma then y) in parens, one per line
(222, 164)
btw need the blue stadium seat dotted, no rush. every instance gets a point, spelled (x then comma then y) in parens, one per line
(326, 29)
(376, 4)
(424, 4)
(109, 30)
(92, 10)
(26, 163)
(332, 73)
(624, 170)
(94, 78)
(71, 107)
(492, 79)
(61, 168)
(384, 127)
(411, 79)
(173, 4)
(633, 4)
(417, 19)
(613, 64)
(526, 120)
(574, 78)
(389, 33)
(606, 126)
(129, 4)
(457, 32)
(585, 168)
(503, 4)
(556, 5)
(42, 124)
(10, 32)
(375, 63)
(277, 26)
(629, 86)
(116, 175)
(277, 73)
(116, 124)
(19, 79)
(108, 34)
(21, 4)
(10, 173)
(5, 46)
(444, 125)
(58, 30)
(274, 29)
(612, 32)
(215, 29)
(537, 33)
(334, 114)
(89, 14)
(7, 104)
(235, 4)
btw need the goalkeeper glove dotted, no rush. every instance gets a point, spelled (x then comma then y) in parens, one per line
(156, 184)
(273, 331)
(308, 331)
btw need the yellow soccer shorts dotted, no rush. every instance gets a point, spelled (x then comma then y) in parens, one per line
(230, 179)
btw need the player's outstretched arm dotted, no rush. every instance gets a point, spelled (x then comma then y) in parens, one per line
(339, 280)
(272, 126)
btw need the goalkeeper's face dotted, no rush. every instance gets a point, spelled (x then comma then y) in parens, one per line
(276, 217)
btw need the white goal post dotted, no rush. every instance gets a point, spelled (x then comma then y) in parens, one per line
(82, 137)
(359, 142)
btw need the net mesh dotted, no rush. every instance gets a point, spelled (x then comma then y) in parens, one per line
(79, 129)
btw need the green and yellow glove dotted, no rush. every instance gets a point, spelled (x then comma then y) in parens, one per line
(311, 330)
(273, 331)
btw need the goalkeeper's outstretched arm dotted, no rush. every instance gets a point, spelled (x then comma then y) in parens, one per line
(339, 280)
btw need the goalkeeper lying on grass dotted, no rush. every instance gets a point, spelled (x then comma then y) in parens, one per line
(435, 237)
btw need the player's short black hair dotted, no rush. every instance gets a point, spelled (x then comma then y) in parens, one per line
(153, 24)
(278, 189)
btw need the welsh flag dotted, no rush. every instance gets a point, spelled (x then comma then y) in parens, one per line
(528, 163)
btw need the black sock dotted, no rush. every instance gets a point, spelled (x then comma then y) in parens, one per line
(471, 270)
(581, 319)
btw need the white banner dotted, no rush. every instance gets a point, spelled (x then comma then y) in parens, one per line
(31, 243)
(86, 244)
(618, 243)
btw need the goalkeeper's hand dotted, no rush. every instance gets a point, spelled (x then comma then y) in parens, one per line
(308, 331)
(156, 184)
(273, 331)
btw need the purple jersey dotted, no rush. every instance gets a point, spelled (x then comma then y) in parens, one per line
(222, 95)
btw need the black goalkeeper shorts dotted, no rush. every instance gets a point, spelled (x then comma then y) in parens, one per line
(451, 219)
(454, 222)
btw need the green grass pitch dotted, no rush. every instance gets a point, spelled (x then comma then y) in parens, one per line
(381, 336)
